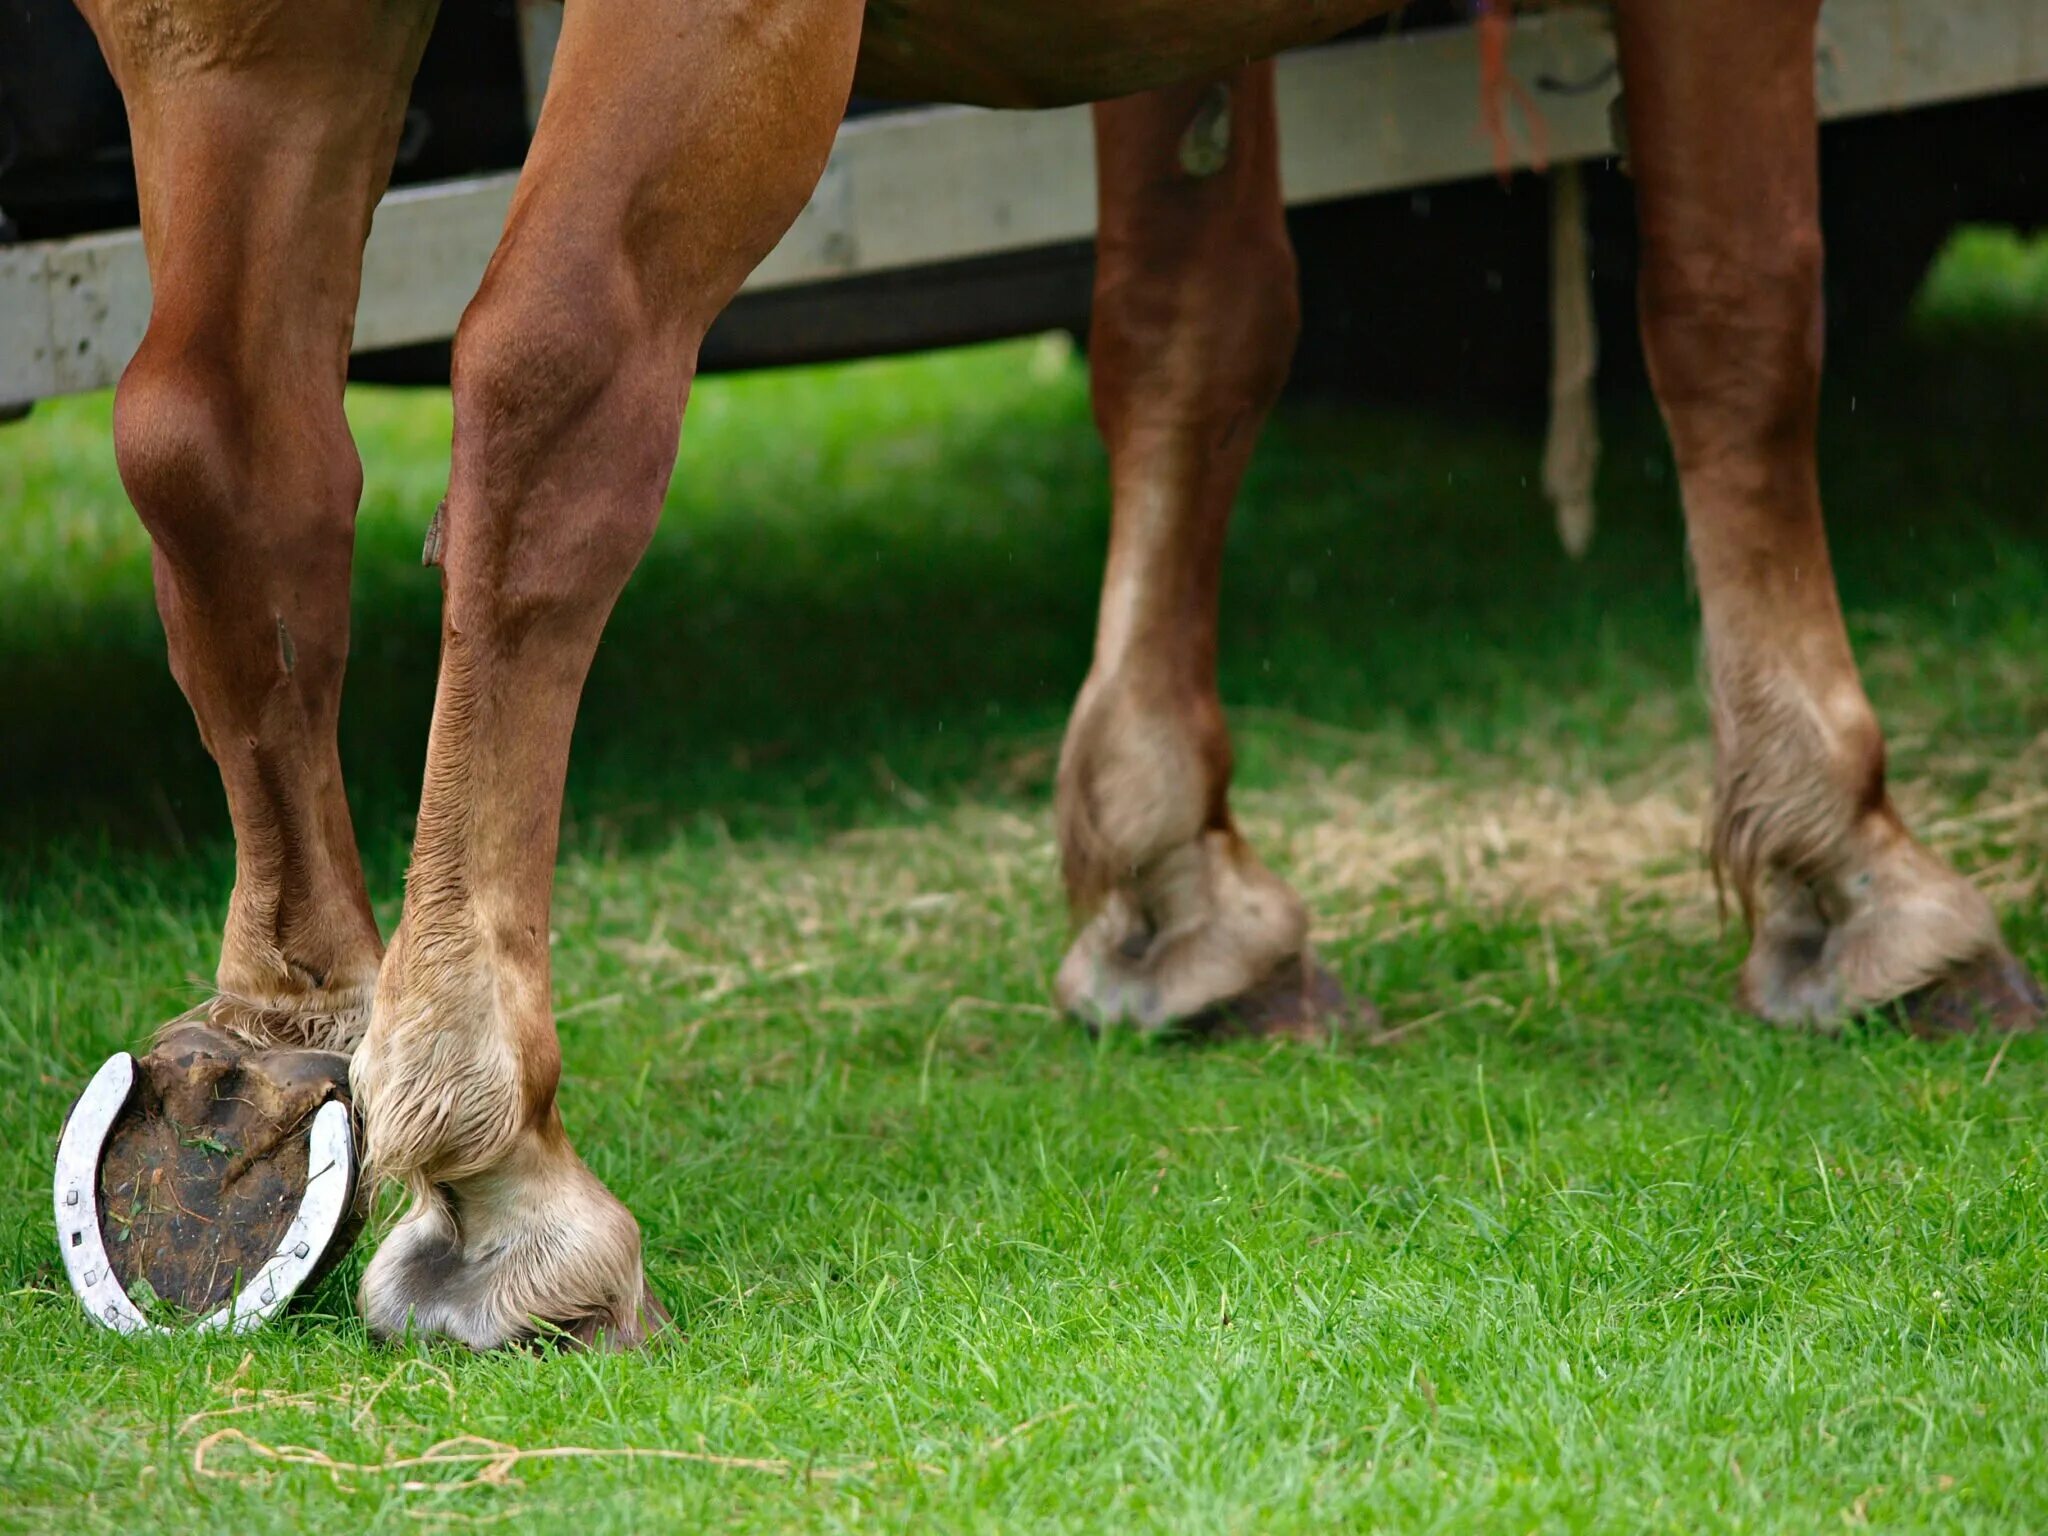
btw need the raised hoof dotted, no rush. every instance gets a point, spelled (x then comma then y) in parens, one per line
(1300, 1001)
(205, 1168)
(1994, 993)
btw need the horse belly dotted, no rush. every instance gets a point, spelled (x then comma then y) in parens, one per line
(1044, 53)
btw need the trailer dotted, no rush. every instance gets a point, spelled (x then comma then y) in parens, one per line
(930, 225)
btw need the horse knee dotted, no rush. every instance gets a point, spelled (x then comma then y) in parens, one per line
(566, 426)
(221, 480)
(1259, 300)
(172, 426)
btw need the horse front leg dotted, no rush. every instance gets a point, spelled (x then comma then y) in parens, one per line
(263, 138)
(676, 145)
(1847, 911)
(1178, 922)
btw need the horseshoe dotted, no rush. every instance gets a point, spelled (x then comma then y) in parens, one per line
(322, 1210)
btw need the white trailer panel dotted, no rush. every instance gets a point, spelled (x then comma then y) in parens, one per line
(943, 184)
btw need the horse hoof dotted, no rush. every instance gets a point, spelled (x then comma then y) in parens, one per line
(534, 1253)
(1994, 992)
(1299, 1001)
(205, 1184)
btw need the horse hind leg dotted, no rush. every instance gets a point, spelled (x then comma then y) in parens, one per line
(1848, 912)
(1178, 922)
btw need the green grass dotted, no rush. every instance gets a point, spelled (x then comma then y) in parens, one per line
(1587, 1250)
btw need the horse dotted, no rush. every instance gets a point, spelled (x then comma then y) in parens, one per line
(676, 144)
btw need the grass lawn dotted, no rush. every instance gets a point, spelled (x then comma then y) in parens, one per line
(1585, 1250)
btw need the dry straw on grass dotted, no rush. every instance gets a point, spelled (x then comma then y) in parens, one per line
(1396, 837)
(469, 1461)
(491, 1462)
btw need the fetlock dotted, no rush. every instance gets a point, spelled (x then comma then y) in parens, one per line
(507, 1234)
(445, 1079)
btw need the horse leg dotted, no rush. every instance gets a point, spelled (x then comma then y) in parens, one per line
(1847, 911)
(676, 145)
(263, 136)
(1195, 320)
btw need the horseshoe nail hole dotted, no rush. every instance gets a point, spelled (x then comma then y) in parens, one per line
(77, 1237)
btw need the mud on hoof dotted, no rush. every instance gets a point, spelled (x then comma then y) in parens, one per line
(535, 1251)
(207, 1165)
